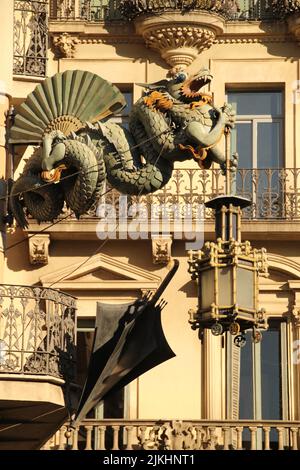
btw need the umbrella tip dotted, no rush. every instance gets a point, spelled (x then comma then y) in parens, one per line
(173, 262)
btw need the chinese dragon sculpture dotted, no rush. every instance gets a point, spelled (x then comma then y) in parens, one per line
(78, 147)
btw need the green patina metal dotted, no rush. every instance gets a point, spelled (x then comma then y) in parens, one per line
(79, 148)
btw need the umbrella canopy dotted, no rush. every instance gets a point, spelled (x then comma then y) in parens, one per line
(128, 341)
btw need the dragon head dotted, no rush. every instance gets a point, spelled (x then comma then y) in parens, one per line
(183, 87)
(189, 89)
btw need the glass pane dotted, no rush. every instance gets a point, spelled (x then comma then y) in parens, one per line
(246, 380)
(241, 142)
(207, 288)
(244, 288)
(270, 373)
(225, 287)
(84, 348)
(269, 148)
(269, 158)
(128, 98)
(255, 103)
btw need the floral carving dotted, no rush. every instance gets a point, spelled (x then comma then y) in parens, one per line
(65, 45)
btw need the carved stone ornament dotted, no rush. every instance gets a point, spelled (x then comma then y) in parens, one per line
(290, 11)
(296, 316)
(178, 435)
(161, 250)
(294, 25)
(65, 45)
(39, 249)
(180, 39)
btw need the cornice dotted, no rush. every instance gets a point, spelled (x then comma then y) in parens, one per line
(253, 39)
(65, 43)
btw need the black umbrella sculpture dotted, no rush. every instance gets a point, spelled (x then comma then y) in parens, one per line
(128, 341)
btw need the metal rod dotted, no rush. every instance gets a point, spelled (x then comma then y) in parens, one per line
(228, 162)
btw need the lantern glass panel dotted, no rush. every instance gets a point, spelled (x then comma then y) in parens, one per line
(245, 285)
(225, 287)
(207, 288)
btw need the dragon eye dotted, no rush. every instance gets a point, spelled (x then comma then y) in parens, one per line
(180, 77)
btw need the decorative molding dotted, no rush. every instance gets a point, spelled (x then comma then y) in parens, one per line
(186, 41)
(124, 276)
(286, 265)
(111, 40)
(161, 250)
(253, 39)
(65, 45)
(39, 249)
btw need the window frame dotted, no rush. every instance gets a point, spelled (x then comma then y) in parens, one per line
(233, 374)
(255, 119)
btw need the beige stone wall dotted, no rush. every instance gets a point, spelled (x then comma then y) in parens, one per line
(193, 383)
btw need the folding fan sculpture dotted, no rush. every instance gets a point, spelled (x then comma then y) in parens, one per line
(65, 116)
(128, 342)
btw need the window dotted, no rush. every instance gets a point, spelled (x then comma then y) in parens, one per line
(263, 379)
(258, 139)
(113, 407)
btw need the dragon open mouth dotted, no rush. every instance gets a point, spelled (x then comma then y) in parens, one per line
(191, 89)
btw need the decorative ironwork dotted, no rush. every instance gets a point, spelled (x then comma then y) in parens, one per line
(274, 193)
(133, 8)
(87, 10)
(30, 37)
(37, 331)
(100, 10)
(284, 8)
(231, 9)
(111, 10)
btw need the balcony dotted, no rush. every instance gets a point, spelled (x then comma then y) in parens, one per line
(274, 193)
(37, 363)
(102, 10)
(148, 435)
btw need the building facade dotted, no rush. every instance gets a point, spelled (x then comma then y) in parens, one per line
(211, 392)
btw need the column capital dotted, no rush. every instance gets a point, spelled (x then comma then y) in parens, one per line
(296, 316)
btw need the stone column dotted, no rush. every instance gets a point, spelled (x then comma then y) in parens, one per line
(296, 356)
(6, 77)
(213, 377)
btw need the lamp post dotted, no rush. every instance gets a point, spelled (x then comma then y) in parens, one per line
(227, 272)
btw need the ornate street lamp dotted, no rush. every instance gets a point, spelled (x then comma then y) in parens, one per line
(227, 272)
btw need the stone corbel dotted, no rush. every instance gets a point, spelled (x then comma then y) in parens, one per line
(294, 25)
(180, 38)
(39, 249)
(295, 287)
(65, 45)
(296, 316)
(161, 250)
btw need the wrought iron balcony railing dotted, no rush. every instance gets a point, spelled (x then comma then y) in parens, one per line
(120, 434)
(30, 37)
(275, 195)
(37, 332)
(111, 10)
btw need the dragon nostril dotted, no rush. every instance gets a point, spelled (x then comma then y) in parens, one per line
(180, 77)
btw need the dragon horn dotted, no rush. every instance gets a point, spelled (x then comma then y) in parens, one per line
(154, 86)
